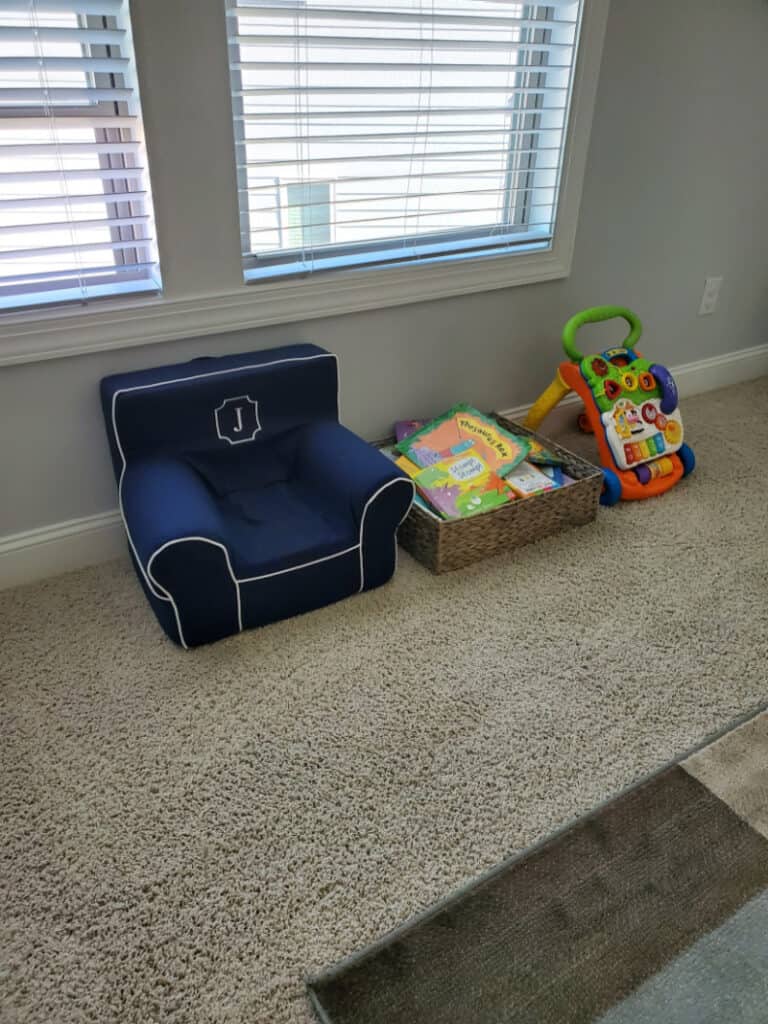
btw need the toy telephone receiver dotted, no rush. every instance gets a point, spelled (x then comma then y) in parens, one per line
(631, 406)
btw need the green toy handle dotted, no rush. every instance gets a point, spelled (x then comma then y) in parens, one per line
(593, 316)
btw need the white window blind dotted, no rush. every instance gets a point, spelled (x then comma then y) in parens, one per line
(371, 134)
(75, 206)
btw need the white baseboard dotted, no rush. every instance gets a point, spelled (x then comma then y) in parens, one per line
(61, 547)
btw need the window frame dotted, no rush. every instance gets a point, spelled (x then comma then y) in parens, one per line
(200, 257)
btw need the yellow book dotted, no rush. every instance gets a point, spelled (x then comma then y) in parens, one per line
(407, 466)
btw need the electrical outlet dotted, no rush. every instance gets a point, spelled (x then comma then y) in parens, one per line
(710, 296)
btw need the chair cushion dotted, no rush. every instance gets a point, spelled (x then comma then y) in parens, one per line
(281, 525)
(226, 471)
(272, 519)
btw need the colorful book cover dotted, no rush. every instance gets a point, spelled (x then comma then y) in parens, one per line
(404, 428)
(407, 466)
(460, 429)
(462, 485)
(527, 479)
(540, 455)
(558, 477)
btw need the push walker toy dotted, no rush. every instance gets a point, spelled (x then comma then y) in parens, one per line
(630, 404)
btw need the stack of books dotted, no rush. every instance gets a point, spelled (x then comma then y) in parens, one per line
(464, 463)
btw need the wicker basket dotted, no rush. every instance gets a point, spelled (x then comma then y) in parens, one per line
(443, 545)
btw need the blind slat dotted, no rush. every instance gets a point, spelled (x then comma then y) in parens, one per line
(402, 216)
(99, 7)
(33, 149)
(113, 65)
(55, 34)
(66, 123)
(385, 89)
(296, 40)
(95, 173)
(62, 95)
(360, 113)
(305, 66)
(356, 179)
(73, 225)
(43, 202)
(385, 137)
(6, 280)
(377, 198)
(459, 155)
(306, 14)
(54, 250)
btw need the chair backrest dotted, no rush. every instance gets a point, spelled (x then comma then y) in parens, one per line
(221, 402)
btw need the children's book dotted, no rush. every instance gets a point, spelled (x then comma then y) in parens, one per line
(557, 476)
(404, 428)
(412, 471)
(540, 455)
(406, 465)
(527, 479)
(456, 432)
(462, 485)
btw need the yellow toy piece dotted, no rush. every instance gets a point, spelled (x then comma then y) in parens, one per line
(546, 402)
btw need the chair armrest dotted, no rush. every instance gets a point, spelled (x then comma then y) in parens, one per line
(340, 464)
(164, 499)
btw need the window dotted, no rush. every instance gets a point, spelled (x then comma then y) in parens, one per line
(75, 206)
(417, 149)
(373, 134)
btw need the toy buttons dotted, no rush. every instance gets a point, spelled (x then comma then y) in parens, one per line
(630, 404)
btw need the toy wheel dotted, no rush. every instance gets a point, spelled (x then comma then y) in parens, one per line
(582, 422)
(687, 458)
(611, 488)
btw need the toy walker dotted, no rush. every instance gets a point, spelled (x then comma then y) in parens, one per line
(630, 404)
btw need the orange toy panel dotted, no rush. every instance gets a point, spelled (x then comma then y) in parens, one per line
(631, 487)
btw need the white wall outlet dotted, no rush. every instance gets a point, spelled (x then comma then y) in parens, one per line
(710, 296)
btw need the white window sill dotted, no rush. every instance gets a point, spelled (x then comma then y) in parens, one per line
(35, 335)
(37, 302)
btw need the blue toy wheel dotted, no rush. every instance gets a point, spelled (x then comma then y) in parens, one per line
(687, 458)
(611, 488)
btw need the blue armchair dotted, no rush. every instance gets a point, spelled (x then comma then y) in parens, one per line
(244, 499)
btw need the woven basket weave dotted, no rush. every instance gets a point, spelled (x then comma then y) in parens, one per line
(443, 545)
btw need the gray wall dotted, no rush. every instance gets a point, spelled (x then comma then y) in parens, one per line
(675, 191)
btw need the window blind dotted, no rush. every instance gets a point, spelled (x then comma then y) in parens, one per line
(75, 207)
(371, 134)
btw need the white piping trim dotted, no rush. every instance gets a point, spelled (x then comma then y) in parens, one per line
(402, 520)
(205, 540)
(232, 369)
(389, 483)
(163, 596)
(224, 404)
(293, 568)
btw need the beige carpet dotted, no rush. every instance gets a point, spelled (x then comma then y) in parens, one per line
(185, 836)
